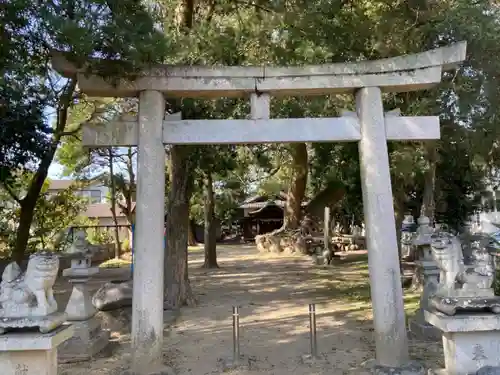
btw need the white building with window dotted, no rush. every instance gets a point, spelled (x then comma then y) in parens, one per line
(99, 207)
(95, 191)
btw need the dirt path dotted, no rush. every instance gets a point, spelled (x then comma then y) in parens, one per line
(273, 294)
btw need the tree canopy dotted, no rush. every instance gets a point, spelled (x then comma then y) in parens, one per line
(442, 179)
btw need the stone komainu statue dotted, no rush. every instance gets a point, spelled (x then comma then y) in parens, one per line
(447, 253)
(466, 287)
(29, 294)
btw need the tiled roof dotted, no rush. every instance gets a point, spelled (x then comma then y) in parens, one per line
(60, 184)
(102, 210)
(263, 204)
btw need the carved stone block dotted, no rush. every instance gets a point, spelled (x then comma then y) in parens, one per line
(88, 340)
(470, 341)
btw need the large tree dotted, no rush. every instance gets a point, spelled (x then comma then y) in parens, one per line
(35, 101)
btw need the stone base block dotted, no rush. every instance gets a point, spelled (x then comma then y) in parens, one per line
(489, 370)
(486, 370)
(437, 371)
(45, 324)
(452, 305)
(112, 296)
(88, 340)
(282, 242)
(424, 331)
(411, 368)
(31, 353)
(79, 306)
(319, 360)
(470, 341)
(164, 371)
(230, 363)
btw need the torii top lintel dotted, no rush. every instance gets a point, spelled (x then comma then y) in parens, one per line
(397, 74)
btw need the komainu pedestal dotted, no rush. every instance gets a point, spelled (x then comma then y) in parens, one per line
(31, 353)
(470, 342)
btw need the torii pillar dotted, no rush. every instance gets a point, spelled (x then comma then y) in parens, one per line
(381, 240)
(147, 299)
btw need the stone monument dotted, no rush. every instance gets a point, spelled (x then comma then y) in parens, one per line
(464, 306)
(428, 272)
(27, 302)
(89, 338)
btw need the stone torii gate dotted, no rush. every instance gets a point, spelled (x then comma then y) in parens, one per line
(368, 126)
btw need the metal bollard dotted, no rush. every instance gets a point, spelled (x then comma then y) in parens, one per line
(312, 330)
(236, 335)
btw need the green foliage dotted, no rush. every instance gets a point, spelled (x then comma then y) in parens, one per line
(126, 246)
(76, 160)
(271, 33)
(99, 236)
(496, 283)
(54, 214)
(325, 31)
(339, 164)
(459, 182)
(82, 29)
(23, 129)
(34, 99)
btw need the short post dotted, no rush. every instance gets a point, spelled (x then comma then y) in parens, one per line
(236, 335)
(326, 229)
(312, 330)
(132, 253)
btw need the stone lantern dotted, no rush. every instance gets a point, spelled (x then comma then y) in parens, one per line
(428, 272)
(89, 338)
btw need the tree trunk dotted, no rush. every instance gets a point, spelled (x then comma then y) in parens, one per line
(297, 189)
(191, 237)
(399, 212)
(428, 205)
(210, 244)
(178, 290)
(112, 185)
(185, 15)
(23, 229)
(28, 203)
(177, 287)
(131, 188)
